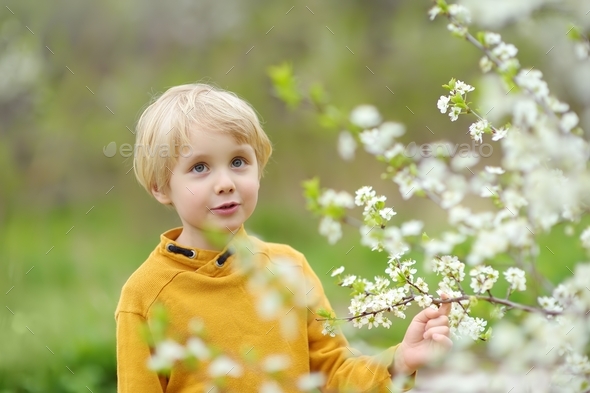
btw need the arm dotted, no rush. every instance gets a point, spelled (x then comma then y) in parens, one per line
(332, 356)
(132, 357)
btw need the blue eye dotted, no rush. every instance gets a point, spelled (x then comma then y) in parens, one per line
(199, 168)
(238, 162)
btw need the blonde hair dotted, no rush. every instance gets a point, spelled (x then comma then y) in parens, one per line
(167, 122)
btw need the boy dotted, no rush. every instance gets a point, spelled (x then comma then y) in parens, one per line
(211, 177)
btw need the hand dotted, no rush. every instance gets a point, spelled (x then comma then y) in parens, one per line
(427, 334)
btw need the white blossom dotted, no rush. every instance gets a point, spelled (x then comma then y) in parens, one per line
(363, 195)
(166, 354)
(531, 80)
(270, 387)
(403, 270)
(460, 162)
(368, 237)
(494, 170)
(460, 13)
(275, 362)
(454, 113)
(348, 280)
(340, 199)
(270, 304)
(585, 238)
(378, 140)
(374, 201)
(499, 134)
(569, 121)
(485, 64)
(365, 116)
(421, 284)
(508, 65)
(433, 12)
(549, 303)
(387, 213)
(582, 50)
(504, 51)
(223, 366)
(393, 151)
(346, 145)
(488, 244)
(450, 266)
(491, 38)
(450, 198)
(525, 113)
(338, 271)
(393, 241)
(477, 129)
(462, 87)
(443, 103)
(331, 229)
(311, 381)
(408, 184)
(393, 129)
(423, 301)
(328, 329)
(457, 29)
(470, 327)
(556, 105)
(515, 278)
(196, 347)
(412, 228)
(483, 278)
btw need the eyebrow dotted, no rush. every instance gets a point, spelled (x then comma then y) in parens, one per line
(204, 156)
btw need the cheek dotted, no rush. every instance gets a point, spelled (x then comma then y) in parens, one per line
(251, 190)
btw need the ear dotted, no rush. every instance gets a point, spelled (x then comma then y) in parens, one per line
(161, 196)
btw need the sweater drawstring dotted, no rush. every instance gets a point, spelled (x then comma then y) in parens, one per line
(180, 250)
(221, 260)
(191, 253)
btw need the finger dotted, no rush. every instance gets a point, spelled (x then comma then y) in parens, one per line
(439, 330)
(432, 313)
(443, 341)
(445, 308)
(443, 320)
(425, 315)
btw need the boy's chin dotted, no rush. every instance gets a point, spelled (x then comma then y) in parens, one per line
(221, 229)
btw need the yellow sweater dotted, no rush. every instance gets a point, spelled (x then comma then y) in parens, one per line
(219, 296)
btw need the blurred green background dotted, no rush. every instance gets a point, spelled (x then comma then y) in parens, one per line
(76, 75)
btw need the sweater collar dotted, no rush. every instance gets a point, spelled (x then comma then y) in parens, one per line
(197, 258)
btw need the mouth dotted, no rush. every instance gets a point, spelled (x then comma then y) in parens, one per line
(226, 206)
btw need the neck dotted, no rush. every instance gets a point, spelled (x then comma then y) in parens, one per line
(205, 240)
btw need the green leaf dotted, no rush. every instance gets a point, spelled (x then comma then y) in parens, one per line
(575, 33)
(443, 5)
(457, 99)
(318, 95)
(325, 313)
(331, 117)
(358, 287)
(452, 84)
(311, 192)
(285, 84)
(481, 37)
(486, 336)
(311, 187)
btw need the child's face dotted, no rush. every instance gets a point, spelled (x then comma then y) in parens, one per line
(219, 171)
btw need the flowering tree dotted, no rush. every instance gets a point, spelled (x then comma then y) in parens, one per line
(543, 181)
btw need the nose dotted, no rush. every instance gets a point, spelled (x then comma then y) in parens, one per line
(224, 184)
